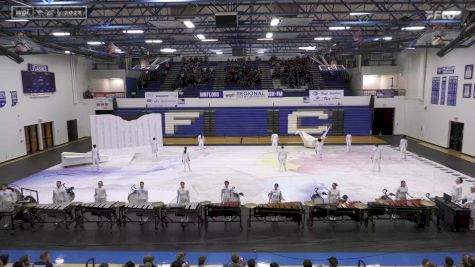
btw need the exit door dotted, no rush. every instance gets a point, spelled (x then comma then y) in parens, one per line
(31, 139)
(383, 121)
(456, 135)
(47, 134)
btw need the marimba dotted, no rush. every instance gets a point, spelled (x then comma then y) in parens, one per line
(183, 213)
(104, 212)
(355, 211)
(227, 212)
(8, 213)
(419, 211)
(453, 214)
(60, 212)
(278, 212)
(142, 211)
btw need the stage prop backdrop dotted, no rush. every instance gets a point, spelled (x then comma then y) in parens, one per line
(112, 132)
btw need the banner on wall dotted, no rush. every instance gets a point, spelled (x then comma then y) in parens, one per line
(3, 99)
(276, 93)
(326, 97)
(104, 103)
(211, 94)
(387, 93)
(14, 97)
(161, 99)
(445, 70)
(245, 94)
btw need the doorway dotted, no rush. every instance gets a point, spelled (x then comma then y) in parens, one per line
(31, 139)
(47, 134)
(383, 121)
(456, 135)
(72, 130)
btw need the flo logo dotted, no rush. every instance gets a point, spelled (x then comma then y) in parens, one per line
(442, 15)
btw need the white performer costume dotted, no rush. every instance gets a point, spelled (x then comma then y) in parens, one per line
(349, 139)
(182, 196)
(334, 195)
(471, 205)
(100, 195)
(155, 149)
(403, 147)
(319, 149)
(376, 158)
(402, 192)
(142, 195)
(59, 195)
(275, 141)
(7, 199)
(275, 196)
(96, 158)
(457, 192)
(201, 142)
(185, 159)
(282, 157)
(226, 194)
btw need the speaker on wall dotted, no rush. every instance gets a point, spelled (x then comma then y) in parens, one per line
(226, 20)
(238, 52)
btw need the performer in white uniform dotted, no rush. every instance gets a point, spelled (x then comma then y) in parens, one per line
(226, 193)
(142, 194)
(59, 194)
(376, 157)
(402, 192)
(349, 139)
(471, 205)
(282, 157)
(182, 194)
(334, 194)
(96, 157)
(201, 142)
(185, 159)
(7, 197)
(275, 195)
(319, 148)
(403, 147)
(100, 194)
(457, 190)
(275, 141)
(154, 149)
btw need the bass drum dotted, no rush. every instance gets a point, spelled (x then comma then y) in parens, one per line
(133, 197)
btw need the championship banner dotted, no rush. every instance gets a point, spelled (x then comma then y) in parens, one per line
(49, 12)
(3, 99)
(326, 97)
(445, 70)
(161, 99)
(246, 94)
(104, 103)
(14, 97)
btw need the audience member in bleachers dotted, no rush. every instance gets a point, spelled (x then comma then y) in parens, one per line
(332, 262)
(4, 259)
(274, 264)
(104, 265)
(243, 73)
(180, 260)
(45, 260)
(292, 72)
(307, 263)
(129, 264)
(195, 72)
(202, 261)
(236, 261)
(24, 261)
(424, 262)
(149, 259)
(251, 263)
(448, 262)
(468, 261)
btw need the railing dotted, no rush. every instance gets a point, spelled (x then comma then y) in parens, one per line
(382, 93)
(107, 94)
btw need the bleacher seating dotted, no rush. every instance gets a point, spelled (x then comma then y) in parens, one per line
(292, 72)
(243, 74)
(335, 80)
(196, 73)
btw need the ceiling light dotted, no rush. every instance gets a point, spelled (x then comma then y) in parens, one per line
(308, 48)
(17, 20)
(269, 35)
(413, 28)
(274, 22)
(61, 33)
(451, 12)
(322, 38)
(265, 39)
(200, 36)
(67, 52)
(153, 41)
(411, 48)
(133, 31)
(209, 40)
(260, 52)
(219, 52)
(119, 51)
(387, 38)
(338, 28)
(95, 43)
(168, 50)
(359, 13)
(189, 24)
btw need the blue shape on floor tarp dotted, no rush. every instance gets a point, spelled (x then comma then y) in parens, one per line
(218, 258)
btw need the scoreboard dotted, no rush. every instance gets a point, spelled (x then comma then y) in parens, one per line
(36, 82)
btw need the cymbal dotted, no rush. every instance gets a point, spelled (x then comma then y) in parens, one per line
(360, 206)
(427, 203)
(250, 205)
(158, 204)
(309, 203)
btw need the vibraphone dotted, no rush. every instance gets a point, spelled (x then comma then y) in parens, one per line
(414, 210)
(278, 212)
(142, 211)
(355, 211)
(104, 212)
(42, 213)
(227, 212)
(182, 213)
